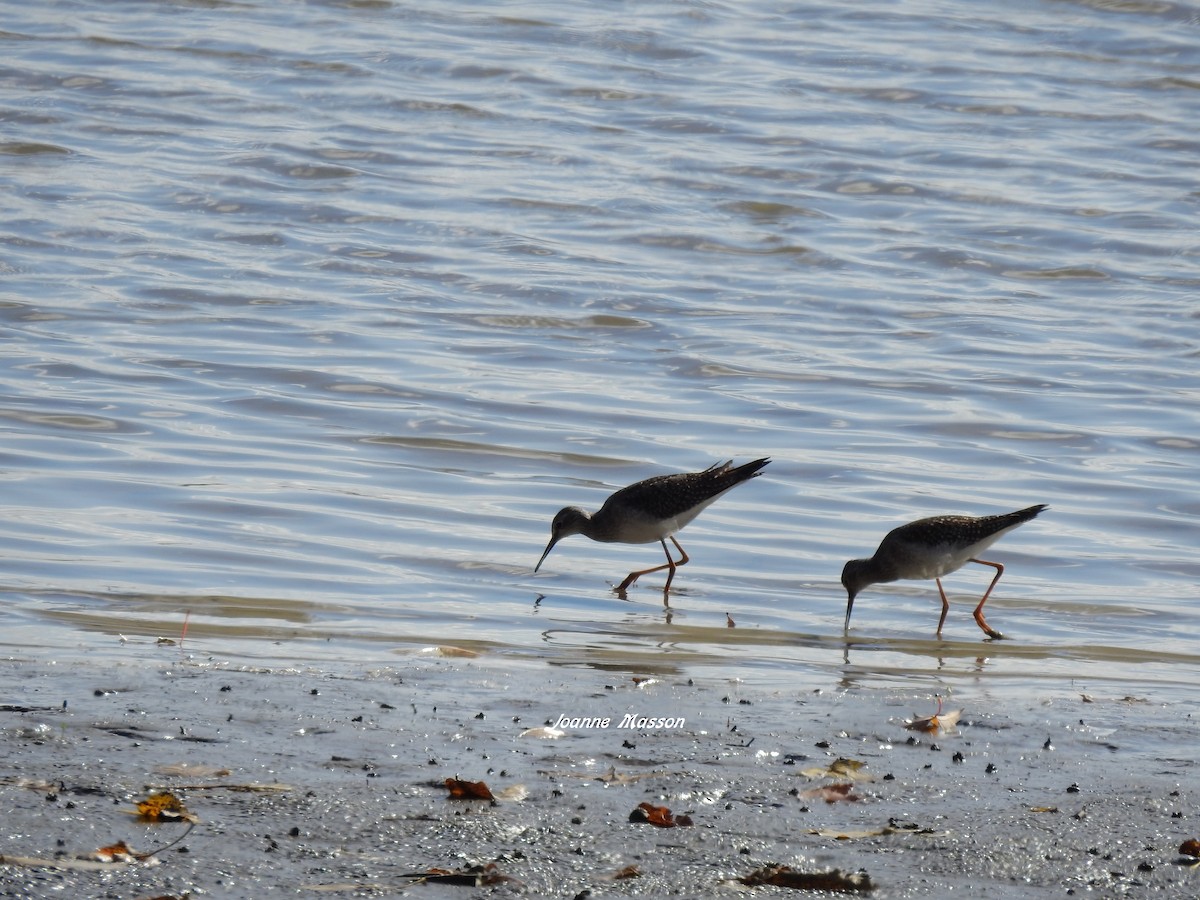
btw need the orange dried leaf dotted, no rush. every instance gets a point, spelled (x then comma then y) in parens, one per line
(115, 853)
(164, 807)
(468, 790)
(785, 876)
(933, 724)
(660, 816)
(939, 721)
(627, 872)
(1190, 847)
(472, 876)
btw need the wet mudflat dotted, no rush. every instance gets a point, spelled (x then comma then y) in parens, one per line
(312, 782)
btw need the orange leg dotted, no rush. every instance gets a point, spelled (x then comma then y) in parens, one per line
(669, 564)
(945, 606)
(979, 619)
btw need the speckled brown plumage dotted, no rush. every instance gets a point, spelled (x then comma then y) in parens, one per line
(651, 510)
(931, 548)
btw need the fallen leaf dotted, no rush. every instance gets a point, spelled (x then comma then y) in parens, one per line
(848, 769)
(939, 721)
(627, 872)
(71, 863)
(1190, 847)
(544, 732)
(892, 827)
(658, 815)
(468, 790)
(164, 807)
(115, 853)
(252, 788)
(836, 881)
(831, 793)
(472, 876)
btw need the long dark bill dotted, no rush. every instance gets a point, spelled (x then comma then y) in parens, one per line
(545, 553)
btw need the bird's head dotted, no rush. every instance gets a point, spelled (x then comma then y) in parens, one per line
(568, 521)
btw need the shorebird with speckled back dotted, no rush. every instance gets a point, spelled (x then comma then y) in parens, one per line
(651, 510)
(931, 548)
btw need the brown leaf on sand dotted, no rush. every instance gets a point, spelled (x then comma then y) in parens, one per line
(627, 872)
(115, 853)
(836, 881)
(841, 768)
(831, 793)
(468, 790)
(1190, 847)
(164, 807)
(658, 815)
(892, 827)
(938, 722)
(472, 876)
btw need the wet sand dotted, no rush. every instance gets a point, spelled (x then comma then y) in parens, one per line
(312, 782)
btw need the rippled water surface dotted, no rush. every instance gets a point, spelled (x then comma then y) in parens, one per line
(312, 315)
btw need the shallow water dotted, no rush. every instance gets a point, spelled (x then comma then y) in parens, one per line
(314, 315)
